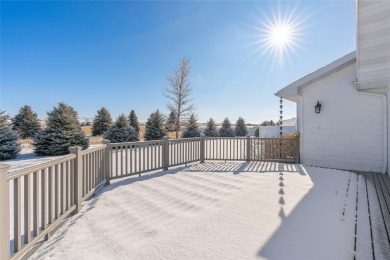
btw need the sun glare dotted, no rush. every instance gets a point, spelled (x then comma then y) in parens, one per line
(280, 37)
(279, 34)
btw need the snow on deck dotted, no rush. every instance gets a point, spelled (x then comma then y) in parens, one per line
(215, 211)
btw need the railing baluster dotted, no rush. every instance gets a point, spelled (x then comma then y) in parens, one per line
(155, 155)
(57, 192)
(27, 209)
(50, 195)
(72, 183)
(121, 160)
(35, 204)
(131, 158)
(66, 185)
(143, 158)
(101, 163)
(127, 159)
(93, 171)
(84, 174)
(43, 199)
(116, 160)
(148, 156)
(63, 179)
(135, 158)
(17, 216)
(90, 176)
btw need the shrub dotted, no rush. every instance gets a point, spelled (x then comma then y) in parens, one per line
(192, 129)
(170, 126)
(211, 128)
(133, 121)
(63, 131)
(9, 148)
(257, 131)
(154, 129)
(26, 122)
(226, 130)
(121, 131)
(240, 128)
(101, 122)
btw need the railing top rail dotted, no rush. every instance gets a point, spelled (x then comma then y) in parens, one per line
(217, 138)
(34, 168)
(136, 143)
(186, 139)
(273, 138)
(94, 149)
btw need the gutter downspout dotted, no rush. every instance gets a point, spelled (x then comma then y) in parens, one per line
(385, 123)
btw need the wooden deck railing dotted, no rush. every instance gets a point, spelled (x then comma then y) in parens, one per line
(39, 197)
(183, 151)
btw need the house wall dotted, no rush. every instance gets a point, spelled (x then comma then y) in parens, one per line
(373, 43)
(348, 133)
(388, 130)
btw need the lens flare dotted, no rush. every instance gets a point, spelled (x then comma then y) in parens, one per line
(278, 34)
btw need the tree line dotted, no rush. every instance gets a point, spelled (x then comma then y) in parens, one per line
(63, 129)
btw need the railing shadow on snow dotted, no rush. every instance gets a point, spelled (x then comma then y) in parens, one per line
(241, 167)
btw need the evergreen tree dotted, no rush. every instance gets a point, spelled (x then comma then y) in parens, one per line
(170, 126)
(26, 122)
(9, 148)
(268, 123)
(240, 128)
(133, 121)
(121, 131)
(226, 130)
(63, 130)
(101, 122)
(211, 128)
(154, 129)
(257, 131)
(192, 129)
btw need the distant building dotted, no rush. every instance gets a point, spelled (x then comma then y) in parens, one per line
(289, 127)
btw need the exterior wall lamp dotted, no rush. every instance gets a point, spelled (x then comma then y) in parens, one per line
(317, 108)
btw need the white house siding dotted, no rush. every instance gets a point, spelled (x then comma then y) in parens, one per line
(373, 43)
(388, 130)
(348, 133)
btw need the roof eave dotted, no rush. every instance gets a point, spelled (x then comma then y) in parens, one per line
(292, 91)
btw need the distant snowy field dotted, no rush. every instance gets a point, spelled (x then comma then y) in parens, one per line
(27, 157)
(214, 211)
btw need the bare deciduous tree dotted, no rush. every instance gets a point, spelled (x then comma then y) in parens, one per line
(179, 91)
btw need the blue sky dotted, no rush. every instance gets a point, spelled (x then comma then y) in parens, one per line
(117, 54)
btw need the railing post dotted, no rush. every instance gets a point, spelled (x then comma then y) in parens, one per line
(78, 177)
(107, 161)
(165, 154)
(4, 212)
(248, 148)
(202, 147)
(296, 149)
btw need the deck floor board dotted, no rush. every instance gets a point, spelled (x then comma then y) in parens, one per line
(363, 232)
(378, 213)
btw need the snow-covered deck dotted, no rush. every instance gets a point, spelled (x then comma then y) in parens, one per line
(221, 211)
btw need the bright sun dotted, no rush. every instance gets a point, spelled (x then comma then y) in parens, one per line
(280, 35)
